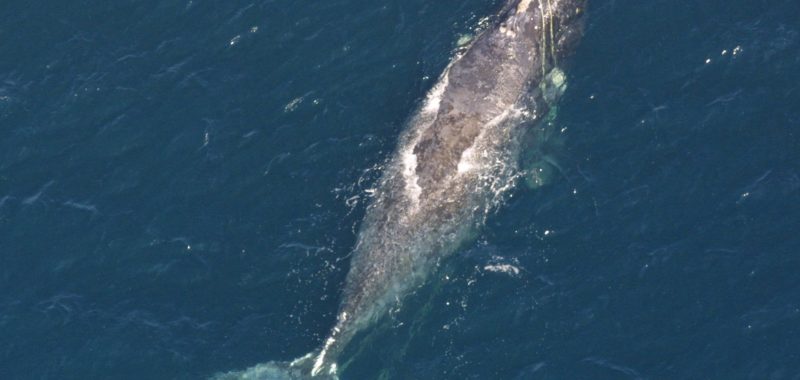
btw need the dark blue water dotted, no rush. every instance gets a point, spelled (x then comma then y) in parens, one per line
(181, 183)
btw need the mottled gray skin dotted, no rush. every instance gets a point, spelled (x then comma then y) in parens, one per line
(455, 162)
(403, 237)
(492, 76)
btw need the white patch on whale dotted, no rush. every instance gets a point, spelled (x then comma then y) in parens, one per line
(523, 6)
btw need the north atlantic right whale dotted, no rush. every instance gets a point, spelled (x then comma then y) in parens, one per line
(455, 163)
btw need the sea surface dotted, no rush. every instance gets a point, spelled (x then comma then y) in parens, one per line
(181, 184)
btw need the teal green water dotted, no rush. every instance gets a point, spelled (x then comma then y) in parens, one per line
(181, 183)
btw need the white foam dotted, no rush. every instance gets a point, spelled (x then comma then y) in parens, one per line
(413, 190)
(467, 162)
(503, 268)
(434, 98)
(321, 358)
(408, 160)
(293, 104)
(299, 360)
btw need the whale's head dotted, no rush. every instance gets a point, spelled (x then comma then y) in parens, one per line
(554, 25)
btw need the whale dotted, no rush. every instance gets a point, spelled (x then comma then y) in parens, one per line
(456, 162)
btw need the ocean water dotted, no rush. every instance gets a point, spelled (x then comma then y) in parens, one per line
(181, 184)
